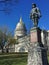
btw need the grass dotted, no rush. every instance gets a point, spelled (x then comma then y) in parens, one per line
(48, 59)
(14, 59)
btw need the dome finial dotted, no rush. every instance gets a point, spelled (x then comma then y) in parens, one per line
(20, 19)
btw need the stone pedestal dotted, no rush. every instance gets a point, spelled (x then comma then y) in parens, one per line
(36, 53)
(35, 35)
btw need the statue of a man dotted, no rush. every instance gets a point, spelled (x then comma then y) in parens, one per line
(35, 15)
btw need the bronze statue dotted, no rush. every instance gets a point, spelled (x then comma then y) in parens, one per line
(35, 15)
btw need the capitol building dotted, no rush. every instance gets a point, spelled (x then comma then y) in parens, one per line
(20, 34)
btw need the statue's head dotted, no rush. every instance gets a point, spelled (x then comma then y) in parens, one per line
(33, 5)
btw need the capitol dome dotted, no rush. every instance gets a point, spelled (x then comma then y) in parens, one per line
(20, 29)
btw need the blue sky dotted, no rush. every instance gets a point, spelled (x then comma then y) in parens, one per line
(22, 9)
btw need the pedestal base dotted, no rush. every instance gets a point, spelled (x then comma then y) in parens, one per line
(36, 53)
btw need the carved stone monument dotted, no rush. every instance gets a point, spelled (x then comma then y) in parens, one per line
(37, 53)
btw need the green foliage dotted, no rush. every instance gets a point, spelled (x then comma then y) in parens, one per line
(12, 41)
(6, 37)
